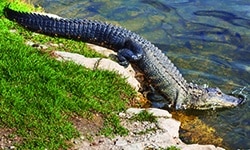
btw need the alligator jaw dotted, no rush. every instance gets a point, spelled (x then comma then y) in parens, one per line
(213, 98)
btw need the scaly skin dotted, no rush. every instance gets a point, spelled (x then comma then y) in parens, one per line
(158, 69)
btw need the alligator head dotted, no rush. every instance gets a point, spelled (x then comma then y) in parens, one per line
(212, 98)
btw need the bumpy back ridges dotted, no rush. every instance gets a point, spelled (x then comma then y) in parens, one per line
(161, 68)
(167, 68)
(77, 29)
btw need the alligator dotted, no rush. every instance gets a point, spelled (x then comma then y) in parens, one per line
(162, 74)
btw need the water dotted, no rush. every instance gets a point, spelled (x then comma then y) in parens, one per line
(209, 41)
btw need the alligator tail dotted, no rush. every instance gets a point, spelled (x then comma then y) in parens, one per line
(95, 32)
(33, 22)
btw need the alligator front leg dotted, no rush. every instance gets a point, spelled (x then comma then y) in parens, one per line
(131, 52)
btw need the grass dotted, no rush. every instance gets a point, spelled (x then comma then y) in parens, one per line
(144, 115)
(38, 94)
(173, 148)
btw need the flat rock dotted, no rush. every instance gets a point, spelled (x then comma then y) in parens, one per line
(135, 146)
(159, 112)
(102, 64)
(199, 147)
(170, 125)
(120, 142)
(132, 111)
(155, 112)
(104, 51)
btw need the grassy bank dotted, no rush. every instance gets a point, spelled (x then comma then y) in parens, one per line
(39, 96)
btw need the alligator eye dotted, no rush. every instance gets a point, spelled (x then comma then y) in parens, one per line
(219, 93)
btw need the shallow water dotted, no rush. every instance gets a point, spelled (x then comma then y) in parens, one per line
(209, 41)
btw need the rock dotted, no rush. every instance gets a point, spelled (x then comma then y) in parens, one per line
(100, 63)
(104, 51)
(132, 111)
(146, 135)
(29, 43)
(136, 146)
(120, 142)
(122, 115)
(155, 111)
(170, 125)
(39, 46)
(53, 45)
(159, 112)
(200, 147)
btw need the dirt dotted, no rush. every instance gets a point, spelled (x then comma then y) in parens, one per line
(8, 138)
(88, 127)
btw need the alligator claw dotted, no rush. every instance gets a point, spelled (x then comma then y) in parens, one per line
(123, 61)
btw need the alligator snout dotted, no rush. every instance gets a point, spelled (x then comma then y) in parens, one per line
(233, 100)
(217, 99)
(241, 98)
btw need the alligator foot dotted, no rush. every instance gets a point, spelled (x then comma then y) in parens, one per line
(131, 52)
(156, 99)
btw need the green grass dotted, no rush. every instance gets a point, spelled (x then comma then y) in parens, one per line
(173, 148)
(38, 94)
(144, 116)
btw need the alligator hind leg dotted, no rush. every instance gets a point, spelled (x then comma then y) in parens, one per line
(131, 52)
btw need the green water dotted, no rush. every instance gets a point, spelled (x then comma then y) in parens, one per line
(209, 41)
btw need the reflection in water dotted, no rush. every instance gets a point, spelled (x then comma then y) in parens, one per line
(209, 41)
